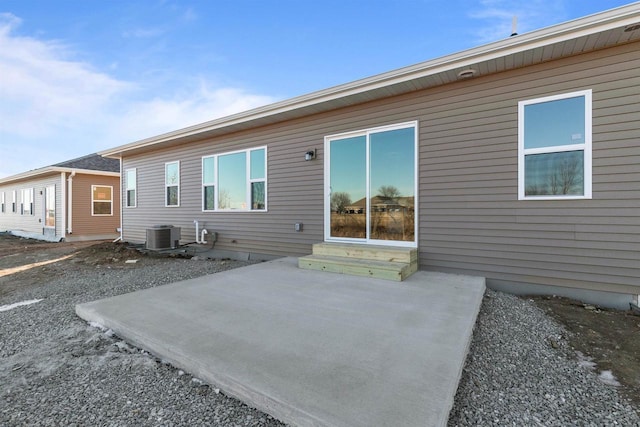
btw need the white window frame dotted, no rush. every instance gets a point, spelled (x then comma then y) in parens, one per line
(2, 202)
(14, 202)
(93, 189)
(248, 180)
(166, 186)
(128, 187)
(27, 194)
(327, 168)
(586, 147)
(50, 190)
(213, 183)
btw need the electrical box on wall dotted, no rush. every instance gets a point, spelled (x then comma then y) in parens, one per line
(297, 226)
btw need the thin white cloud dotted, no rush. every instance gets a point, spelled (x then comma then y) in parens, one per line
(142, 33)
(53, 107)
(496, 17)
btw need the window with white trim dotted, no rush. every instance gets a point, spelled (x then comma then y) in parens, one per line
(26, 207)
(50, 206)
(554, 147)
(2, 202)
(101, 200)
(14, 202)
(235, 181)
(131, 186)
(172, 184)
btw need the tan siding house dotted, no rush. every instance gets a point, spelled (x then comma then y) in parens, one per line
(56, 202)
(522, 158)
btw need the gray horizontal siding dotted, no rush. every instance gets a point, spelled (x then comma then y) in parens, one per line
(31, 223)
(470, 220)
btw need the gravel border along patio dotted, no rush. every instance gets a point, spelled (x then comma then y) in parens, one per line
(57, 370)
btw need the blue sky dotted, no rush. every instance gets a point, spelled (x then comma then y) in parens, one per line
(81, 76)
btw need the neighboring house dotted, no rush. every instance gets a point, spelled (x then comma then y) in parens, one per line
(518, 161)
(74, 200)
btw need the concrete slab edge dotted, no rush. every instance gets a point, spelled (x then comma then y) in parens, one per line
(468, 337)
(228, 385)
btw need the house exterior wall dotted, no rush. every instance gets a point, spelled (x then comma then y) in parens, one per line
(470, 218)
(84, 224)
(32, 224)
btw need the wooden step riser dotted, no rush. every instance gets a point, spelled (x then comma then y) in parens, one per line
(358, 268)
(409, 256)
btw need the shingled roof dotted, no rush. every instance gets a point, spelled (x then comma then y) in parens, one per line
(92, 162)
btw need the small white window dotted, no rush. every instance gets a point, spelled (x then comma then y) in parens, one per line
(2, 203)
(172, 184)
(26, 206)
(50, 206)
(554, 147)
(131, 186)
(14, 202)
(208, 183)
(101, 200)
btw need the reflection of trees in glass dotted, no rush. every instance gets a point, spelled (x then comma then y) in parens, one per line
(209, 192)
(257, 195)
(339, 201)
(224, 199)
(172, 196)
(563, 179)
(389, 191)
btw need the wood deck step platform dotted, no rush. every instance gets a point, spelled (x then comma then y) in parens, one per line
(381, 262)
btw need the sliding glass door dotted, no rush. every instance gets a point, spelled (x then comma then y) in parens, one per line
(371, 186)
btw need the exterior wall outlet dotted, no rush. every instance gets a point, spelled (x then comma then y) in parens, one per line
(297, 226)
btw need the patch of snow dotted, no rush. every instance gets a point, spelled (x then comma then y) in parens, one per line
(585, 361)
(97, 325)
(18, 304)
(608, 378)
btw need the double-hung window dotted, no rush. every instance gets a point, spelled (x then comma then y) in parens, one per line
(101, 200)
(172, 184)
(131, 185)
(14, 202)
(26, 208)
(2, 202)
(554, 147)
(235, 181)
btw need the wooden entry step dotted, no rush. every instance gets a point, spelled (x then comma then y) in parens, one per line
(381, 262)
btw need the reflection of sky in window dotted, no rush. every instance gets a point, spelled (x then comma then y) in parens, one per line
(232, 180)
(559, 122)
(208, 174)
(257, 164)
(392, 160)
(172, 174)
(348, 163)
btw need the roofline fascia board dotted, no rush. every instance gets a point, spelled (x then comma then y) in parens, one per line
(591, 24)
(53, 169)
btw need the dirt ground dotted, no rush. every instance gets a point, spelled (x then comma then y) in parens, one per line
(31, 257)
(609, 338)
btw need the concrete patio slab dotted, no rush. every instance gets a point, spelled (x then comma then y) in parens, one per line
(308, 347)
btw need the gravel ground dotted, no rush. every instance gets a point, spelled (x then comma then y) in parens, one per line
(521, 371)
(57, 370)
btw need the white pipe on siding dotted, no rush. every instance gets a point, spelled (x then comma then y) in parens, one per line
(63, 198)
(202, 238)
(70, 199)
(195, 221)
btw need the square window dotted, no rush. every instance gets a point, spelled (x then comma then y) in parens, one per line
(554, 147)
(101, 200)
